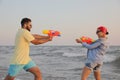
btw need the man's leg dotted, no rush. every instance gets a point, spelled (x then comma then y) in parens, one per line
(36, 72)
(97, 75)
(13, 71)
(86, 72)
(9, 78)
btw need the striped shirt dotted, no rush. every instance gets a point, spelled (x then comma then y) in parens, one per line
(22, 42)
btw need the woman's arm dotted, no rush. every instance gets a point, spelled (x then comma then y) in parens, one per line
(91, 46)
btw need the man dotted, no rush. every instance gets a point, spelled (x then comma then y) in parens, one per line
(21, 59)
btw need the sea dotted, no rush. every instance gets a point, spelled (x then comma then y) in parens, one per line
(62, 62)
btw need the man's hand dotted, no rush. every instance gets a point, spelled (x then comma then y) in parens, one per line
(78, 41)
(50, 38)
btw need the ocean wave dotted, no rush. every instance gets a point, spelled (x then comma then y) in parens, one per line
(73, 54)
(112, 55)
(109, 58)
(47, 54)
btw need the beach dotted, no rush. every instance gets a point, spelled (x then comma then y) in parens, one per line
(62, 62)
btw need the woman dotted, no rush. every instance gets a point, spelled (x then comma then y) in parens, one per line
(95, 54)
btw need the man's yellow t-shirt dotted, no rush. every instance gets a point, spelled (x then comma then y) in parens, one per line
(22, 42)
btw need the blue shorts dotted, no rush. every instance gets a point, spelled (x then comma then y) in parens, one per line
(14, 69)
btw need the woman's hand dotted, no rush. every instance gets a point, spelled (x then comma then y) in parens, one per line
(78, 41)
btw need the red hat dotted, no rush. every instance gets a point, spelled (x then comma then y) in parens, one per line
(103, 29)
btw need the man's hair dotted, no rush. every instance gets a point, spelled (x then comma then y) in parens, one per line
(24, 21)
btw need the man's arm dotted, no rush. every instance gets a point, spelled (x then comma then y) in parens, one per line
(40, 39)
(37, 36)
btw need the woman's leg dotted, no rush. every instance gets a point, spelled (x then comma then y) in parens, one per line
(86, 72)
(97, 75)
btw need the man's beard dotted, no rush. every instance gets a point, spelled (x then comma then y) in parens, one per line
(28, 29)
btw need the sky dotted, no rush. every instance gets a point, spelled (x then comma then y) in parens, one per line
(73, 18)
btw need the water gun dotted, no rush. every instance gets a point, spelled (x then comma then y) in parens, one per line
(87, 39)
(51, 33)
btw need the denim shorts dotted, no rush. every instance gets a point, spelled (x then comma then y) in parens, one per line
(14, 69)
(93, 66)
